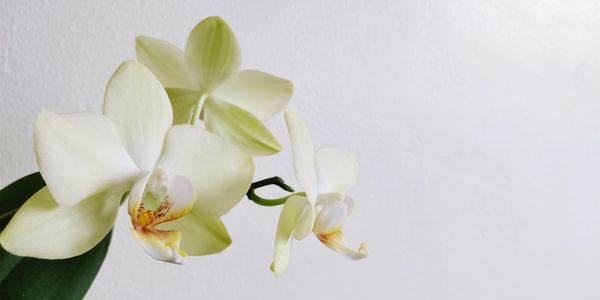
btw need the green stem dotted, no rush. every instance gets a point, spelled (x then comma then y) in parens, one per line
(197, 109)
(251, 194)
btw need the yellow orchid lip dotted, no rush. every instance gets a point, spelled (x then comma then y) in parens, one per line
(328, 228)
(149, 219)
(177, 201)
(161, 244)
(337, 242)
(327, 238)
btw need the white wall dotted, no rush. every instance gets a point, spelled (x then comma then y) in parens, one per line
(477, 125)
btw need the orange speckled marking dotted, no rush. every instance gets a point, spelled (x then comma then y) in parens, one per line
(327, 238)
(151, 218)
(145, 217)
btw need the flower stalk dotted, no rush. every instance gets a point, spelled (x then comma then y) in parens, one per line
(198, 109)
(251, 194)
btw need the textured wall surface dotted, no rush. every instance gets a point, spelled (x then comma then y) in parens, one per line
(476, 123)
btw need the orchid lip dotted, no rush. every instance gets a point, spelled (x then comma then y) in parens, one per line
(157, 198)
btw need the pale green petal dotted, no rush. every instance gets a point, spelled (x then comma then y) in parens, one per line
(183, 102)
(80, 155)
(261, 94)
(240, 127)
(220, 172)
(303, 153)
(304, 224)
(139, 107)
(136, 194)
(336, 170)
(292, 218)
(165, 60)
(43, 229)
(200, 234)
(213, 53)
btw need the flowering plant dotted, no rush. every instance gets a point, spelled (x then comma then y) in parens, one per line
(175, 144)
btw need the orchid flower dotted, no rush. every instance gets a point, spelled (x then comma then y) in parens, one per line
(324, 207)
(205, 81)
(182, 178)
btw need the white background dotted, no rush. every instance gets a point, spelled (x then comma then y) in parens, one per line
(477, 126)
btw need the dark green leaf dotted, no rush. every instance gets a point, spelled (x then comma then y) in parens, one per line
(54, 279)
(16, 193)
(11, 198)
(7, 263)
(31, 278)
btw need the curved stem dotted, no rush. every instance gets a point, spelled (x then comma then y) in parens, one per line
(267, 202)
(251, 194)
(197, 109)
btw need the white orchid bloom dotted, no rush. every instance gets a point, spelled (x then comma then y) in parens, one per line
(326, 176)
(181, 175)
(206, 78)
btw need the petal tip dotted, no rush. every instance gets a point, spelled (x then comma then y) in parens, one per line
(142, 42)
(277, 271)
(129, 64)
(141, 38)
(215, 20)
(363, 250)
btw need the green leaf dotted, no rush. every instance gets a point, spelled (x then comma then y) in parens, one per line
(11, 198)
(31, 278)
(15, 194)
(63, 279)
(7, 263)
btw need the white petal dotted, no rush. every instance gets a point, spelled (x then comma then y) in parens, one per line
(261, 94)
(220, 172)
(179, 201)
(139, 107)
(166, 61)
(303, 152)
(161, 245)
(213, 53)
(336, 170)
(136, 195)
(200, 234)
(240, 127)
(351, 204)
(292, 218)
(330, 218)
(43, 229)
(328, 198)
(80, 155)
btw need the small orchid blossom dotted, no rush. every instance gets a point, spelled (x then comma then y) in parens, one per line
(205, 81)
(324, 207)
(181, 179)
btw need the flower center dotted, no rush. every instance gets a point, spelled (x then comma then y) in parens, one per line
(164, 198)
